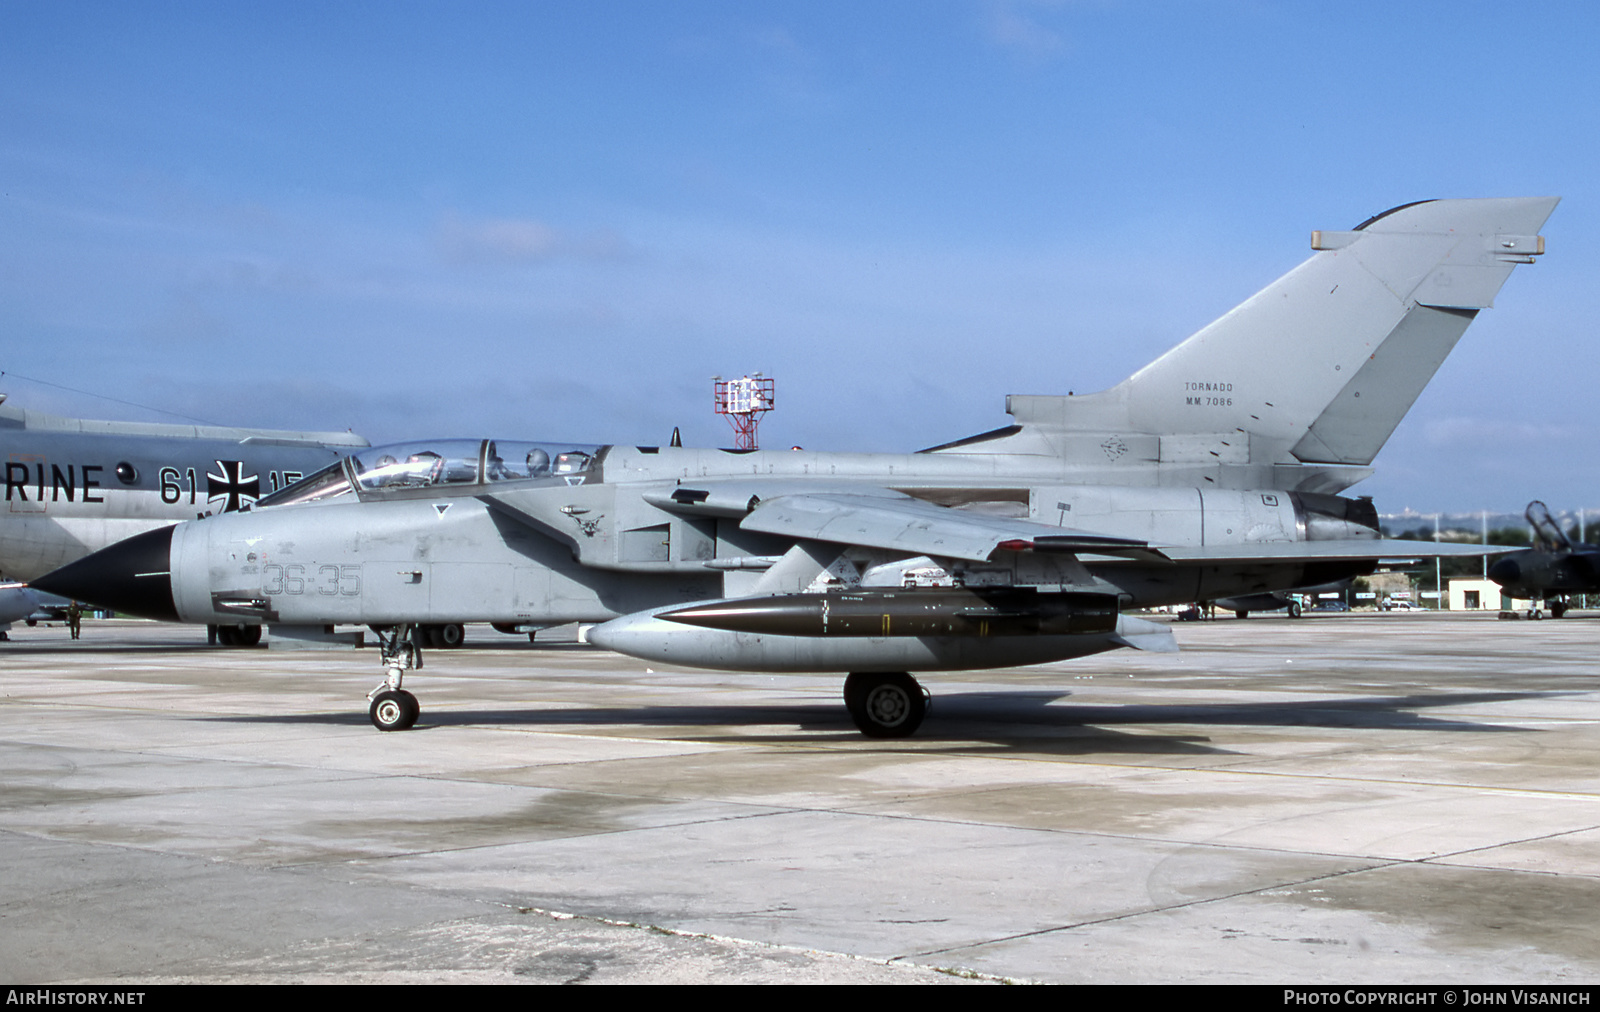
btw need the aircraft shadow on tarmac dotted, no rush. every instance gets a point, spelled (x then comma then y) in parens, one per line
(1004, 719)
(56, 648)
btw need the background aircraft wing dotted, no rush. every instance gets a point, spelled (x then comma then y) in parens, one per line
(1334, 550)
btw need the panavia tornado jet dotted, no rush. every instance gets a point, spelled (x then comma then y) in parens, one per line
(1213, 472)
(1550, 572)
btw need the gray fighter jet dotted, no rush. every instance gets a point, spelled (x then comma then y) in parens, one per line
(76, 485)
(1550, 572)
(1280, 600)
(1213, 472)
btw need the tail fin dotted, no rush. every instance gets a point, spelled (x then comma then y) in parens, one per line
(1321, 365)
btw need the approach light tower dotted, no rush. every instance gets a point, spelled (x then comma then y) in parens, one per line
(744, 401)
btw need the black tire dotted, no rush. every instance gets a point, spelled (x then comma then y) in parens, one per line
(394, 710)
(885, 704)
(1294, 609)
(449, 636)
(238, 635)
(855, 686)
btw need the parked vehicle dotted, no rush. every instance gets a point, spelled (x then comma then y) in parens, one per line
(1400, 604)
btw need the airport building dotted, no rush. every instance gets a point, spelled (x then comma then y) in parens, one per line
(1472, 593)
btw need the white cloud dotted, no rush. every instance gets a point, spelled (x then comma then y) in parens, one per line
(523, 241)
(1013, 28)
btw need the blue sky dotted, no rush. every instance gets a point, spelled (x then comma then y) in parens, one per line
(558, 220)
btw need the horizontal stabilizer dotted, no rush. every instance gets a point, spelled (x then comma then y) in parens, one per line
(1141, 634)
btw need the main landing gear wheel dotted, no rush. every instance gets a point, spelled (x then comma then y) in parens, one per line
(1294, 609)
(238, 635)
(885, 704)
(394, 710)
(445, 637)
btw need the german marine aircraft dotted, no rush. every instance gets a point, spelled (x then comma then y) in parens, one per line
(1550, 572)
(75, 485)
(1213, 472)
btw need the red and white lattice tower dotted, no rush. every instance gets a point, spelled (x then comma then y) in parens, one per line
(744, 401)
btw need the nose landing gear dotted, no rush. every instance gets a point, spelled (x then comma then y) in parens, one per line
(391, 707)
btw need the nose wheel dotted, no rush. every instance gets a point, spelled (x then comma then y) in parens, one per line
(885, 704)
(394, 710)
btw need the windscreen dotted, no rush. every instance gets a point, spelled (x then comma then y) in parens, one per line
(327, 483)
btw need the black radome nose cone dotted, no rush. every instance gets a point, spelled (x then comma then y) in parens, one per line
(132, 576)
(1505, 571)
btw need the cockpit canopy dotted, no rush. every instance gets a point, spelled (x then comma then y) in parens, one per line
(384, 470)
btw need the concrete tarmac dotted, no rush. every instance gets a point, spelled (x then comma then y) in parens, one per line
(1343, 798)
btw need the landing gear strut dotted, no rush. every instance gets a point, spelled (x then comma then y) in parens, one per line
(885, 704)
(391, 707)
